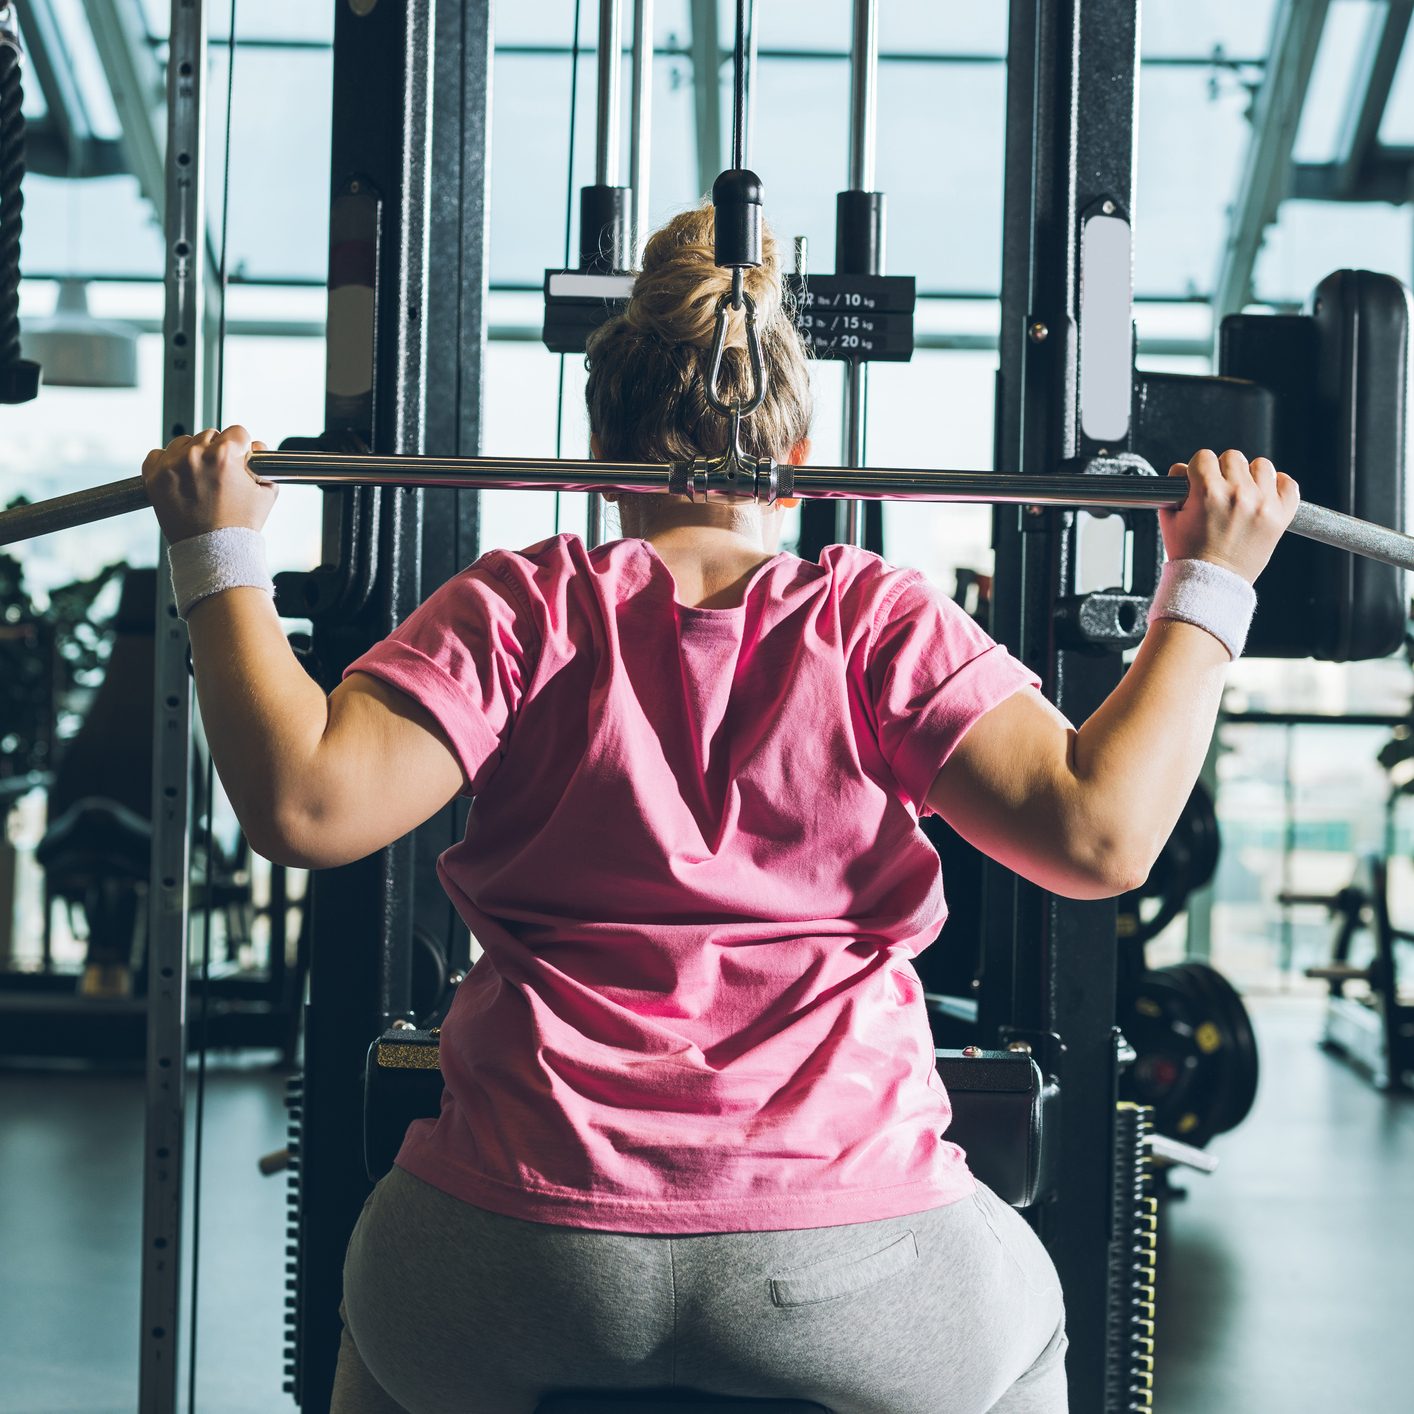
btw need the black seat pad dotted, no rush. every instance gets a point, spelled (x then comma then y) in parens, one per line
(96, 837)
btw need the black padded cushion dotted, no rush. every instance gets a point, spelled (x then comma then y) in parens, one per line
(673, 1401)
(96, 838)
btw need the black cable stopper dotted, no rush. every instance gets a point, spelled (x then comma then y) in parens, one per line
(736, 200)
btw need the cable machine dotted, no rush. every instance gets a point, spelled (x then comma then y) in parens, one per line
(406, 330)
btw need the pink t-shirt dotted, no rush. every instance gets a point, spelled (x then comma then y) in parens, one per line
(694, 863)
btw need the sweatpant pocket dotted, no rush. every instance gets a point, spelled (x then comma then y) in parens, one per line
(841, 1276)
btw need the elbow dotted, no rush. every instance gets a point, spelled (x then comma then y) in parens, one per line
(1106, 873)
(1122, 874)
(288, 838)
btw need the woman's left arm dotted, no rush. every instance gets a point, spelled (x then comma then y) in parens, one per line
(315, 781)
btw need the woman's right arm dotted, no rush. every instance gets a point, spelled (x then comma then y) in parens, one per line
(1084, 813)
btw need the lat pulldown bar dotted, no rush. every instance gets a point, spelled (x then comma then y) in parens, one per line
(727, 477)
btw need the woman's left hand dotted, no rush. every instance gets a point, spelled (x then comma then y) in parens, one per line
(202, 483)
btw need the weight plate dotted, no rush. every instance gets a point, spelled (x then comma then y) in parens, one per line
(1188, 860)
(1236, 1044)
(1167, 1071)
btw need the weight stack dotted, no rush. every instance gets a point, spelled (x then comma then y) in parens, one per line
(1130, 1382)
(294, 1106)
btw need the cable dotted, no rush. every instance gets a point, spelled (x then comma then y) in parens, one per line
(739, 88)
(207, 902)
(569, 216)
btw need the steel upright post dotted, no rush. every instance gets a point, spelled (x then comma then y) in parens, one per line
(641, 124)
(168, 898)
(1049, 963)
(852, 255)
(456, 363)
(606, 163)
(363, 915)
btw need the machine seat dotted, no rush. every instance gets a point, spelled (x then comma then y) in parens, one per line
(96, 838)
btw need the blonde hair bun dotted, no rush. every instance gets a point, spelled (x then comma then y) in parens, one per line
(648, 367)
(676, 295)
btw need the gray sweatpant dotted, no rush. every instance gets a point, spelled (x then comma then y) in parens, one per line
(447, 1307)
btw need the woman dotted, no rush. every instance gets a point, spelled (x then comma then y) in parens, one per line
(692, 1133)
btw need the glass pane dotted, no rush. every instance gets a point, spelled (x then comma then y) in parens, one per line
(951, 27)
(71, 438)
(1332, 97)
(1397, 126)
(795, 24)
(1203, 27)
(279, 227)
(102, 226)
(958, 391)
(255, 19)
(551, 22)
(800, 177)
(1310, 239)
(1192, 140)
(905, 26)
(529, 186)
(521, 412)
(80, 58)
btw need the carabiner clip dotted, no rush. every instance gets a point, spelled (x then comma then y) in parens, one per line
(753, 352)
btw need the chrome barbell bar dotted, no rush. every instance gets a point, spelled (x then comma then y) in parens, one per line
(719, 478)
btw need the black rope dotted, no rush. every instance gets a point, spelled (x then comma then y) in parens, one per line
(569, 217)
(208, 908)
(12, 201)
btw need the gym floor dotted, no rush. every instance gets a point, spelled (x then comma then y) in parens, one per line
(1283, 1283)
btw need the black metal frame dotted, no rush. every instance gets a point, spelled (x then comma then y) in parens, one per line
(411, 99)
(1048, 963)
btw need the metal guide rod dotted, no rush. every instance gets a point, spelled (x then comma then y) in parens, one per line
(863, 108)
(168, 901)
(606, 163)
(707, 480)
(606, 141)
(641, 123)
(863, 94)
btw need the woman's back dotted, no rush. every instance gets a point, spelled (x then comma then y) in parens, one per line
(694, 865)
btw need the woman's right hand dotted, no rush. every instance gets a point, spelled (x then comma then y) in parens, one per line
(202, 483)
(1234, 515)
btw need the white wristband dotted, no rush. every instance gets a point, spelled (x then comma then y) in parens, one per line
(1207, 595)
(232, 558)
